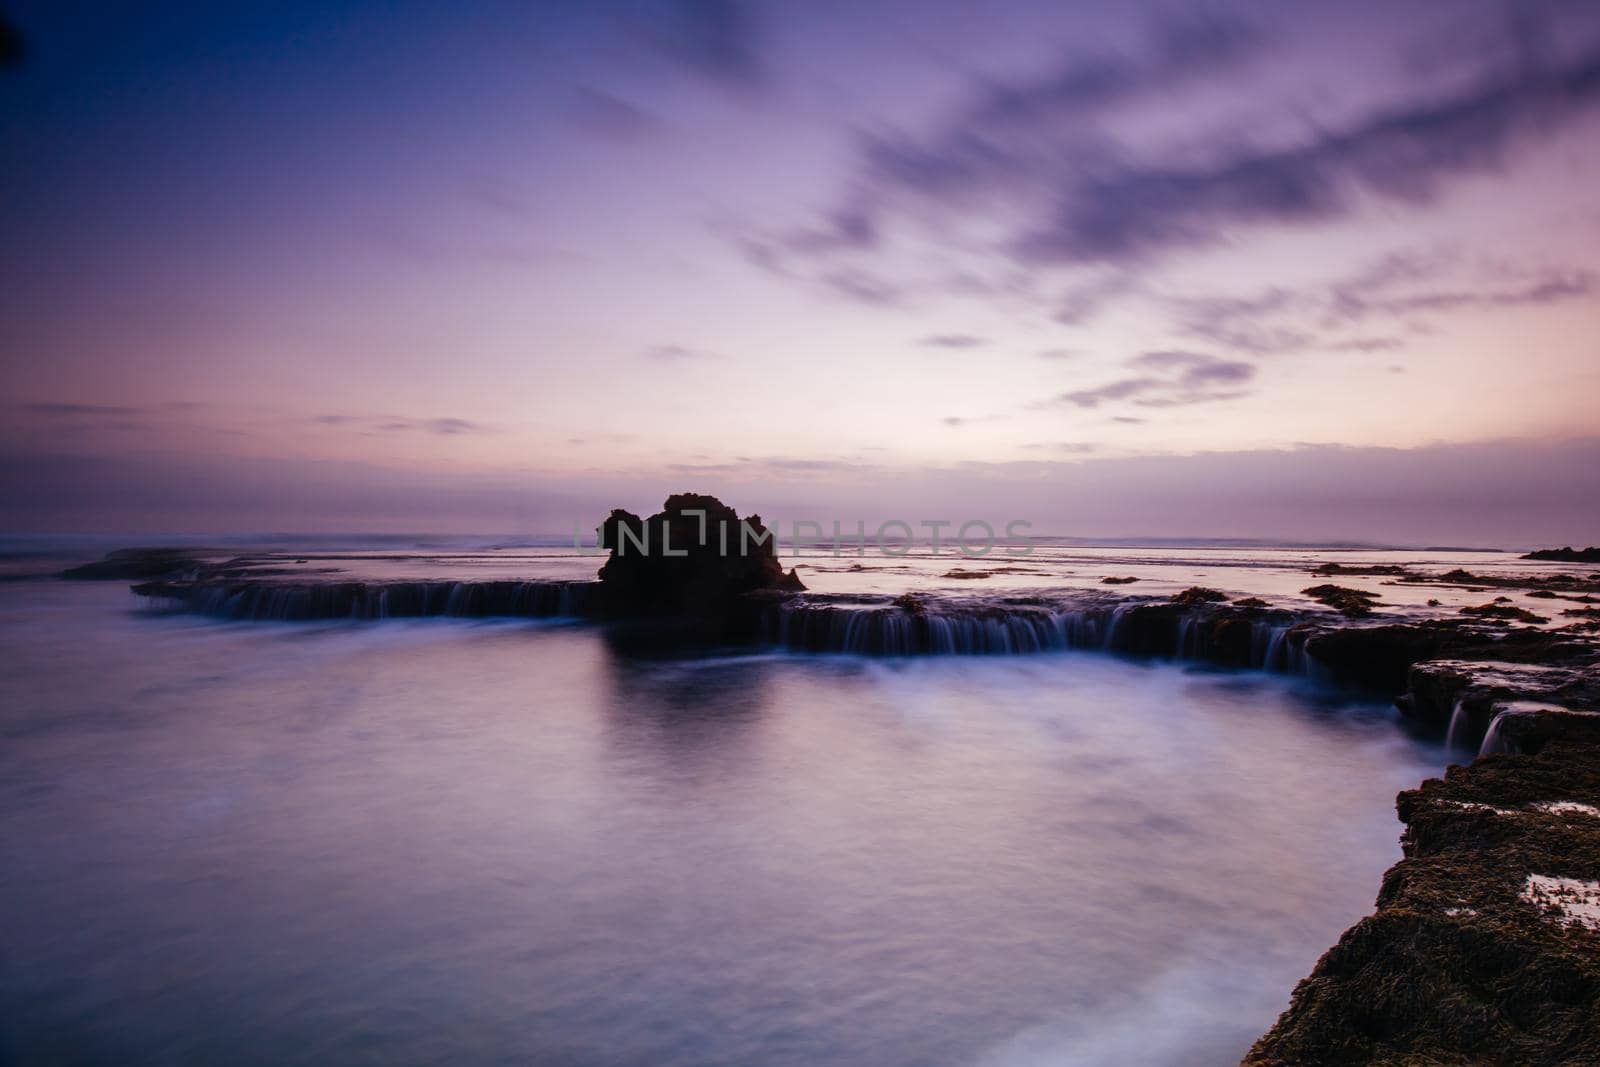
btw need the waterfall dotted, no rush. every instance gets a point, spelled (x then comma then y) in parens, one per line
(1493, 743)
(985, 628)
(1454, 739)
(1276, 657)
(809, 623)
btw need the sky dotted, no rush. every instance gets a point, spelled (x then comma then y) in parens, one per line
(1308, 271)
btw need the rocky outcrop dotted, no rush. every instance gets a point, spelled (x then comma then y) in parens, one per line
(1464, 696)
(1566, 555)
(1351, 603)
(696, 559)
(1485, 946)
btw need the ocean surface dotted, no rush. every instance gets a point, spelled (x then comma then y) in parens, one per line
(452, 841)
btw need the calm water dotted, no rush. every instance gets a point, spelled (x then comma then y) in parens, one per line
(447, 842)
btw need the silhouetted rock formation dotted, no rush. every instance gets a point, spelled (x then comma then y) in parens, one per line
(695, 559)
(1566, 555)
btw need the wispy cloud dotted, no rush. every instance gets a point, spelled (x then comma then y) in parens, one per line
(609, 115)
(1171, 379)
(1068, 448)
(676, 353)
(953, 340)
(82, 411)
(446, 426)
(721, 40)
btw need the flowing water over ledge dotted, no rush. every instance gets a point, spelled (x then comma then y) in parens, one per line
(417, 841)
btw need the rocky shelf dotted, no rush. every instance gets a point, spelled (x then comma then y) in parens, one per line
(1485, 945)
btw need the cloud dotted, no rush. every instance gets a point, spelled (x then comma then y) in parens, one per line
(1060, 173)
(1060, 353)
(965, 420)
(608, 115)
(1026, 129)
(1405, 153)
(1191, 45)
(446, 426)
(1176, 379)
(721, 40)
(676, 353)
(862, 286)
(450, 426)
(1397, 289)
(1070, 448)
(83, 411)
(953, 340)
(1367, 344)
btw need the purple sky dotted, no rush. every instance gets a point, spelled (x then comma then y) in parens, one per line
(1321, 270)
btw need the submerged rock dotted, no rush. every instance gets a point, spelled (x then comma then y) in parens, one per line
(1346, 601)
(1508, 612)
(1199, 594)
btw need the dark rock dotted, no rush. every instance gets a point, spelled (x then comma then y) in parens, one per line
(1566, 555)
(1250, 602)
(1374, 657)
(1481, 949)
(1198, 594)
(1351, 603)
(911, 604)
(695, 559)
(137, 564)
(1503, 611)
(1327, 570)
(1475, 691)
(1118, 581)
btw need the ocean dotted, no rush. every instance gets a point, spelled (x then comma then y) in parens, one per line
(419, 841)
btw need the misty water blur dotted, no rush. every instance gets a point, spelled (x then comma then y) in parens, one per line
(445, 841)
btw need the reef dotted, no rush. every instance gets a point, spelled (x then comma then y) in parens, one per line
(1485, 945)
(1199, 594)
(1351, 603)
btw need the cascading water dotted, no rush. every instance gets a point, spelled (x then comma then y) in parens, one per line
(1455, 735)
(1493, 743)
(1152, 628)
